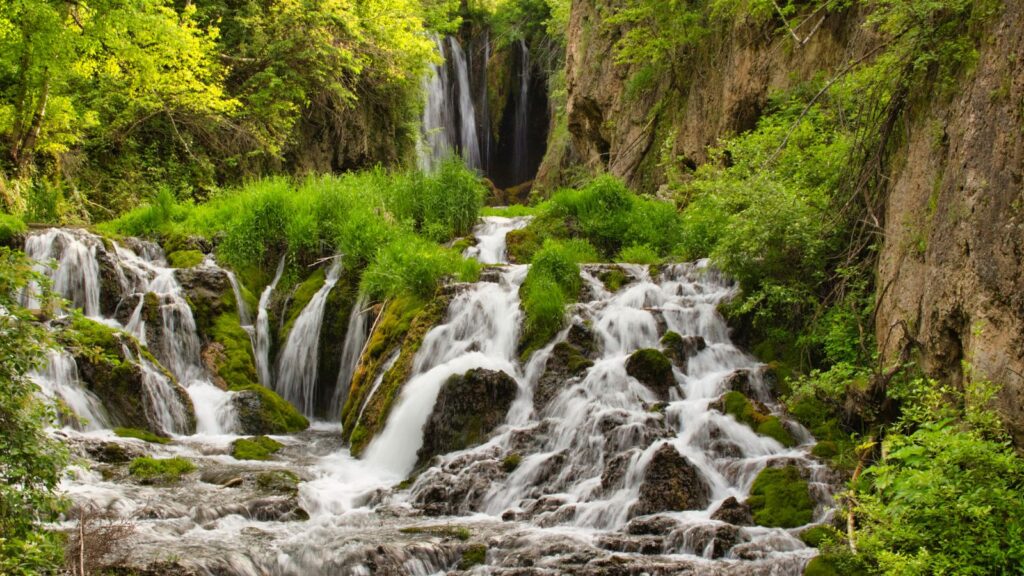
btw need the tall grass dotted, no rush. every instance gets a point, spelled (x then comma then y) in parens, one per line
(552, 283)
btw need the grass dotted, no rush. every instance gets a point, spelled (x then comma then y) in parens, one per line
(10, 226)
(144, 435)
(256, 448)
(150, 470)
(185, 258)
(552, 283)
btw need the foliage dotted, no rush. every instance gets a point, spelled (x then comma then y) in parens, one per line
(185, 258)
(30, 462)
(144, 435)
(256, 448)
(10, 226)
(780, 498)
(552, 282)
(151, 470)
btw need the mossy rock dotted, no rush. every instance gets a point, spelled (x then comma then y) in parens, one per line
(256, 448)
(279, 481)
(780, 498)
(821, 566)
(681, 348)
(653, 369)
(613, 278)
(566, 361)
(185, 258)
(442, 531)
(473, 555)
(815, 536)
(144, 435)
(160, 470)
(511, 462)
(759, 420)
(261, 411)
(826, 450)
(229, 356)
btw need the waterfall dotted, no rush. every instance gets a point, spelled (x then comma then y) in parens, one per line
(76, 276)
(449, 117)
(490, 238)
(485, 115)
(297, 368)
(58, 380)
(355, 339)
(520, 135)
(262, 348)
(243, 309)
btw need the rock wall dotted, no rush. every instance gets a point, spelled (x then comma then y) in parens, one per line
(950, 270)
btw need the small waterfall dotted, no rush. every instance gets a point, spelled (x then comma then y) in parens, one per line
(355, 340)
(449, 117)
(388, 364)
(481, 332)
(58, 380)
(491, 236)
(244, 318)
(262, 348)
(520, 134)
(162, 403)
(468, 144)
(297, 368)
(77, 274)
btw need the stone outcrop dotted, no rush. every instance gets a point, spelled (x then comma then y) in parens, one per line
(654, 370)
(671, 482)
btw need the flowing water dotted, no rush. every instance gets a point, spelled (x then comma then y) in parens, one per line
(449, 116)
(261, 350)
(584, 444)
(521, 121)
(356, 335)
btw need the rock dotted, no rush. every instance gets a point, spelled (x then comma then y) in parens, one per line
(467, 409)
(739, 381)
(583, 339)
(261, 411)
(209, 294)
(233, 483)
(565, 363)
(696, 539)
(671, 482)
(733, 512)
(651, 525)
(780, 498)
(681, 348)
(755, 415)
(113, 452)
(654, 370)
(631, 544)
(615, 469)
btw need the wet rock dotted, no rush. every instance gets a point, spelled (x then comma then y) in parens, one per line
(671, 482)
(113, 452)
(566, 363)
(706, 540)
(654, 370)
(279, 481)
(615, 469)
(261, 411)
(734, 512)
(234, 482)
(276, 510)
(739, 381)
(112, 292)
(209, 294)
(681, 348)
(651, 525)
(583, 339)
(468, 408)
(631, 544)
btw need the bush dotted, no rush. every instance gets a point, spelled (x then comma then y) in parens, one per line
(10, 226)
(149, 470)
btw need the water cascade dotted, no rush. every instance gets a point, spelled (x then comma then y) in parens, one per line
(58, 379)
(356, 335)
(449, 117)
(296, 372)
(262, 348)
(520, 133)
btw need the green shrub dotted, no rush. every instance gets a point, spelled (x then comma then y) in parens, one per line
(256, 448)
(638, 254)
(10, 226)
(552, 282)
(780, 498)
(148, 469)
(412, 265)
(144, 435)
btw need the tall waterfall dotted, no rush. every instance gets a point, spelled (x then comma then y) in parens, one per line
(297, 367)
(520, 134)
(262, 348)
(449, 116)
(58, 379)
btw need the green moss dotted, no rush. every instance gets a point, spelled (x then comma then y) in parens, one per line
(522, 244)
(274, 414)
(473, 555)
(256, 448)
(648, 365)
(234, 364)
(160, 469)
(820, 566)
(10, 227)
(815, 536)
(575, 361)
(304, 292)
(144, 435)
(672, 340)
(511, 462)
(282, 481)
(185, 258)
(780, 498)
(737, 405)
(95, 336)
(826, 450)
(613, 279)
(443, 531)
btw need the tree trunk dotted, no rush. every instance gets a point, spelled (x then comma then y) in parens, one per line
(24, 150)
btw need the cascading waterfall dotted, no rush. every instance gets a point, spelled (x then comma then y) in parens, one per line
(449, 117)
(76, 276)
(469, 146)
(58, 380)
(490, 245)
(244, 318)
(520, 135)
(485, 114)
(355, 340)
(261, 350)
(296, 373)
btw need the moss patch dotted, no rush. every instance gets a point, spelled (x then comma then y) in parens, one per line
(737, 405)
(779, 498)
(269, 412)
(473, 555)
(613, 279)
(522, 244)
(233, 362)
(653, 369)
(820, 566)
(303, 293)
(511, 462)
(815, 536)
(280, 481)
(151, 470)
(144, 435)
(257, 448)
(185, 258)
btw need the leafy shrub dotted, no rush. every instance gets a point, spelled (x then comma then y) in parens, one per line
(10, 226)
(552, 282)
(638, 254)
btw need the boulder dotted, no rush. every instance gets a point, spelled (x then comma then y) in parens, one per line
(654, 370)
(681, 348)
(209, 293)
(261, 411)
(565, 363)
(733, 512)
(467, 409)
(671, 482)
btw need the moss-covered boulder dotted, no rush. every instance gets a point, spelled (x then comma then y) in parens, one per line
(160, 470)
(209, 294)
(388, 355)
(654, 370)
(780, 498)
(261, 411)
(467, 409)
(111, 365)
(755, 415)
(565, 363)
(671, 482)
(613, 278)
(681, 348)
(256, 448)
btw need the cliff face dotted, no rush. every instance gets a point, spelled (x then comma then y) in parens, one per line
(952, 264)
(722, 91)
